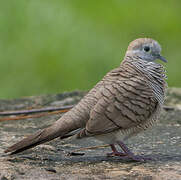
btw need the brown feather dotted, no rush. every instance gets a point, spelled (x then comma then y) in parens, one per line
(128, 99)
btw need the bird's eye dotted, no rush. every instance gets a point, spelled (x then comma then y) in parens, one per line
(146, 48)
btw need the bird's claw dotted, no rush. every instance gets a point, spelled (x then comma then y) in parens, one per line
(116, 154)
(133, 157)
(137, 158)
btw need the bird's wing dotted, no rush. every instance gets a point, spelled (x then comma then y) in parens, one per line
(121, 105)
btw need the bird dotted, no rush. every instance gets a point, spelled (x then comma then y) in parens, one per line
(127, 101)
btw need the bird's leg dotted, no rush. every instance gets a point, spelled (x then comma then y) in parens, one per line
(130, 155)
(115, 152)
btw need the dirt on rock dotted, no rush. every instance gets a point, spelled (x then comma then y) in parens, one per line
(53, 161)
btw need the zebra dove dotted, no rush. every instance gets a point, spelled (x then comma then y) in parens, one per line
(125, 102)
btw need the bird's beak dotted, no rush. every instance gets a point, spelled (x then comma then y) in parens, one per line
(161, 58)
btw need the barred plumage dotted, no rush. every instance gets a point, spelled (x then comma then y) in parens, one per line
(126, 101)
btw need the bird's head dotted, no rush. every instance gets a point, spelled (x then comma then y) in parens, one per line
(146, 49)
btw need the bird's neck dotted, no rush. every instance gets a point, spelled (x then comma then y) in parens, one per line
(153, 72)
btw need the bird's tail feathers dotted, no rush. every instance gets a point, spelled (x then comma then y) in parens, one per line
(33, 140)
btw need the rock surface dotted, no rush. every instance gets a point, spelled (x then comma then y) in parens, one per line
(51, 160)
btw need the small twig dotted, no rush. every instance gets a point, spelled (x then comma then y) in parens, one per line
(24, 114)
(168, 108)
(31, 111)
(74, 152)
(48, 109)
(91, 147)
(32, 116)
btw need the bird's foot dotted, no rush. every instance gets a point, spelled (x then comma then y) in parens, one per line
(137, 158)
(130, 155)
(116, 154)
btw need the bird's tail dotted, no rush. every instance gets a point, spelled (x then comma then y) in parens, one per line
(42, 136)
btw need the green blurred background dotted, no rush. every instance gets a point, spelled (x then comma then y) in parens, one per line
(50, 46)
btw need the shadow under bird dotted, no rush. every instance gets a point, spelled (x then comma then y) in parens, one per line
(126, 101)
